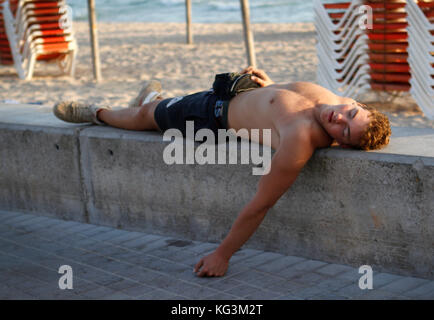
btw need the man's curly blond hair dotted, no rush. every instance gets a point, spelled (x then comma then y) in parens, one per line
(377, 134)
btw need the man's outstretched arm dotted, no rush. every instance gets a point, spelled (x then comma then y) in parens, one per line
(287, 162)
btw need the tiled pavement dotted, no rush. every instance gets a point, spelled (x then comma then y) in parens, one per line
(109, 263)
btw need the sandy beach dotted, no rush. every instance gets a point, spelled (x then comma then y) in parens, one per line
(135, 52)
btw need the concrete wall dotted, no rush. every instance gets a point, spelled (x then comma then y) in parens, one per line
(346, 206)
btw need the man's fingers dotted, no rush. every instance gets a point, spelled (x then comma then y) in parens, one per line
(260, 73)
(203, 272)
(258, 81)
(198, 265)
(247, 70)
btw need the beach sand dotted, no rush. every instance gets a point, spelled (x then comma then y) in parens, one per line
(134, 52)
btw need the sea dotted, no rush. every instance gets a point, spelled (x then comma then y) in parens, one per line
(203, 11)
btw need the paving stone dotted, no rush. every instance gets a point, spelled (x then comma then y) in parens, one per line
(299, 268)
(14, 220)
(122, 284)
(222, 296)
(95, 232)
(404, 284)
(334, 284)
(422, 291)
(125, 237)
(156, 280)
(257, 278)
(105, 279)
(147, 277)
(98, 293)
(125, 255)
(48, 290)
(137, 291)
(105, 249)
(352, 275)
(380, 295)
(165, 266)
(43, 227)
(279, 264)
(7, 214)
(237, 268)
(7, 247)
(289, 297)
(243, 254)
(190, 258)
(243, 290)
(144, 243)
(191, 291)
(330, 296)
(175, 255)
(352, 291)
(262, 295)
(158, 294)
(30, 220)
(80, 227)
(309, 278)
(260, 259)
(110, 234)
(310, 292)
(335, 269)
(13, 278)
(117, 296)
(382, 279)
(150, 247)
(223, 284)
(113, 266)
(286, 287)
(81, 285)
(70, 253)
(11, 293)
(201, 248)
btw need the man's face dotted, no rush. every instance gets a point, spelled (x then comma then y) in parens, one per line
(345, 122)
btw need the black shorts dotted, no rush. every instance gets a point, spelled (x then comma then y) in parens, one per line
(199, 108)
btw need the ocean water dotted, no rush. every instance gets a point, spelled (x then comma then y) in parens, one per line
(203, 11)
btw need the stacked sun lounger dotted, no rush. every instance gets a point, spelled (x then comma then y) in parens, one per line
(421, 53)
(357, 54)
(5, 50)
(39, 31)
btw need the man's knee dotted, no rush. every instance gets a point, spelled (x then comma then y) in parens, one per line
(145, 115)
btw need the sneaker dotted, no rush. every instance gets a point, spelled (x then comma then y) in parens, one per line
(76, 112)
(150, 91)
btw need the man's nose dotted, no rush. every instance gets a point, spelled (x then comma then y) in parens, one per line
(338, 118)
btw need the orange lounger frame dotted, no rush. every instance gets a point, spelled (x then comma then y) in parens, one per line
(390, 86)
(391, 77)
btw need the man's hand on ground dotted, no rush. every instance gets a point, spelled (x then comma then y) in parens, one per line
(258, 76)
(213, 265)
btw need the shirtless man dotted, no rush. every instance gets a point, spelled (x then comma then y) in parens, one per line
(302, 117)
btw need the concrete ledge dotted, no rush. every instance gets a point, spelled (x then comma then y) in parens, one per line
(346, 206)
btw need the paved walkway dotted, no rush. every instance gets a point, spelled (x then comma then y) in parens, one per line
(109, 263)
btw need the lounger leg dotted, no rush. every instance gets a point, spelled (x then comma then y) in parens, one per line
(31, 67)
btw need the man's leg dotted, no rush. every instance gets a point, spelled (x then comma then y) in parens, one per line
(131, 118)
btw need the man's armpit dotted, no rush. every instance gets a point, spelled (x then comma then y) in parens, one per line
(286, 164)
